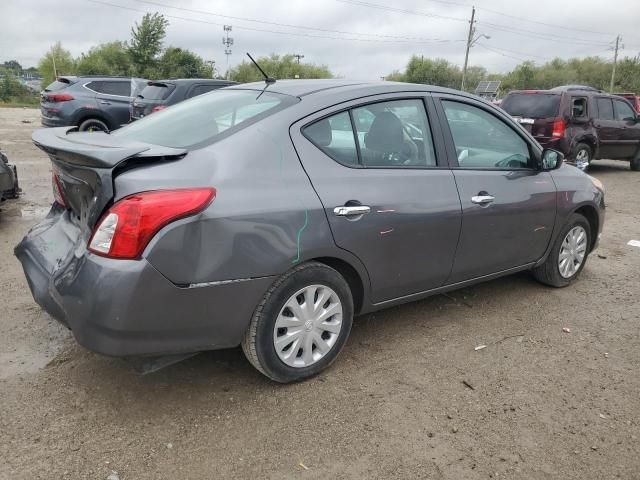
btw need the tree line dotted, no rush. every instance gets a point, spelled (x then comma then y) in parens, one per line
(144, 55)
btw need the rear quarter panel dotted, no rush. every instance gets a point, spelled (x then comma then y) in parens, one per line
(265, 218)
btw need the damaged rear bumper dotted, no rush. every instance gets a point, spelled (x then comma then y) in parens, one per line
(127, 307)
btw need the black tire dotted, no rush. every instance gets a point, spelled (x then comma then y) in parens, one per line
(93, 125)
(258, 342)
(583, 149)
(635, 164)
(549, 272)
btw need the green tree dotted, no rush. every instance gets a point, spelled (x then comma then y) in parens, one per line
(64, 62)
(11, 90)
(12, 67)
(278, 67)
(146, 43)
(106, 59)
(181, 63)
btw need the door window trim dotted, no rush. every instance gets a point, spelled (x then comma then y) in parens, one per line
(101, 93)
(534, 150)
(350, 105)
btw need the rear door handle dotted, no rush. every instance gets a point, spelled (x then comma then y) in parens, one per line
(104, 102)
(482, 199)
(346, 211)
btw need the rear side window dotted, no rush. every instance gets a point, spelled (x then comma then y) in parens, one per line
(334, 136)
(203, 120)
(531, 105)
(388, 135)
(157, 91)
(579, 107)
(200, 89)
(624, 112)
(122, 89)
(605, 109)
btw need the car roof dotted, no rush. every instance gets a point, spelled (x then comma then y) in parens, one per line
(188, 81)
(303, 88)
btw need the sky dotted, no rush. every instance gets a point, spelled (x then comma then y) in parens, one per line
(357, 39)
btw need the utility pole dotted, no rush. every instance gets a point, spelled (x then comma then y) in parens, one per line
(53, 58)
(615, 61)
(227, 41)
(298, 57)
(472, 29)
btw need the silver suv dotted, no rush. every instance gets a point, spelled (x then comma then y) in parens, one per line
(92, 103)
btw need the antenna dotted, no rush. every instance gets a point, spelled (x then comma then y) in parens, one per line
(267, 79)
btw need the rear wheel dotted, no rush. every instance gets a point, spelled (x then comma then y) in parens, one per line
(301, 324)
(568, 254)
(635, 164)
(582, 156)
(93, 125)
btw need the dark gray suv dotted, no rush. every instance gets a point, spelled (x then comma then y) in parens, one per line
(268, 216)
(91, 103)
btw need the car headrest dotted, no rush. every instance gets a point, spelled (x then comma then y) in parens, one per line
(385, 134)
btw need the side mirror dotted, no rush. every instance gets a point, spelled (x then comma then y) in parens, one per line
(551, 159)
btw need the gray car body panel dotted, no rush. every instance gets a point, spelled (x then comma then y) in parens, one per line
(200, 279)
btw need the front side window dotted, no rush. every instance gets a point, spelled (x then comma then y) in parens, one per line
(389, 134)
(205, 119)
(483, 140)
(623, 111)
(605, 109)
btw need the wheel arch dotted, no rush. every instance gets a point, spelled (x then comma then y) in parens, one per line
(591, 214)
(351, 275)
(89, 114)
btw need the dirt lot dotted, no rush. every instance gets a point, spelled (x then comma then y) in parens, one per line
(544, 404)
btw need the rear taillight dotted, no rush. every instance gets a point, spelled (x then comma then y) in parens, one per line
(59, 97)
(559, 126)
(157, 108)
(128, 226)
(57, 190)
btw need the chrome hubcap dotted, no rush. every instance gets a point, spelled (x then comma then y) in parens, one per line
(572, 252)
(582, 159)
(308, 326)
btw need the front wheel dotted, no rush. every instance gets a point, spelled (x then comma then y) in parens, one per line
(301, 324)
(568, 254)
(635, 164)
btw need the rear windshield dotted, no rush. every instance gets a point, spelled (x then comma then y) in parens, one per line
(531, 105)
(156, 91)
(206, 118)
(57, 85)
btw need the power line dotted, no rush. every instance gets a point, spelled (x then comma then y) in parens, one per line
(287, 25)
(505, 28)
(520, 59)
(296, 34)
(516, 53)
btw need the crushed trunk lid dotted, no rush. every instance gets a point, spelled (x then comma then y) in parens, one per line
(84, 165)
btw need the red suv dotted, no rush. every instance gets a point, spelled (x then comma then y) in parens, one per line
(583, 123)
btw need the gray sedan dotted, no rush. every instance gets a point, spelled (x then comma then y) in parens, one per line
(268, 216)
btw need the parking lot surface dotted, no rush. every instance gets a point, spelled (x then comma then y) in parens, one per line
(409, 397)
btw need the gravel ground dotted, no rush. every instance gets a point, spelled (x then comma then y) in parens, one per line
(543, 403)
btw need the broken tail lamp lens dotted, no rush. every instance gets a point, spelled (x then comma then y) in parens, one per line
(129, 225)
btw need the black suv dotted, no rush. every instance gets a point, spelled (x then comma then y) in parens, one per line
(158, 95)
(89, 102)
(582, 122)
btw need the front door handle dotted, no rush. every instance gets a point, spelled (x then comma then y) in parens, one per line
(104, 102)
(346, 211)
(483, 199)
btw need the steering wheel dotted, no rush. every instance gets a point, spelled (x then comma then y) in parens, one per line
(512, 161)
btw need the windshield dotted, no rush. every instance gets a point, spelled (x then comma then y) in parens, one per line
(531, 105)
(205, 118)
(157, 91)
